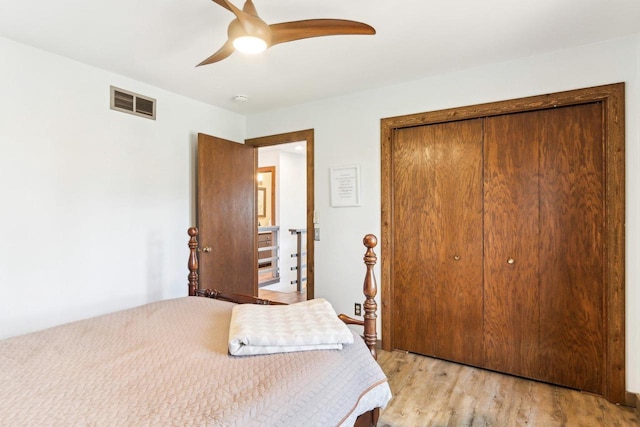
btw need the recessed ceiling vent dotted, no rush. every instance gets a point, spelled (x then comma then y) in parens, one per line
(133, 103)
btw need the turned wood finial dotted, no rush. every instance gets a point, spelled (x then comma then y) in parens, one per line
(193, 260)
(370, 289)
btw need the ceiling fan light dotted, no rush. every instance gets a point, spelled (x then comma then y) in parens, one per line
(249, 44)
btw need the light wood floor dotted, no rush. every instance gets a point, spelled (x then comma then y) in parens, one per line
(286, 297)
(432, 392)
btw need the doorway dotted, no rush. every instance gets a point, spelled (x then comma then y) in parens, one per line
(281, 211)
(288, 254)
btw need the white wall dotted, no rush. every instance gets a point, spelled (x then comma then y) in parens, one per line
(347, 131)
(95, 203)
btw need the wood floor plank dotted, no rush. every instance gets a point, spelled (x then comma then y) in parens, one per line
(433, 392)
(285, 297)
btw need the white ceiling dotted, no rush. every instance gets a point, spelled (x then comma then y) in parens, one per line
(160, 41)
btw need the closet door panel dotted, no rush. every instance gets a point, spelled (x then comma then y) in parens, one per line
(415, 240)
(511, 204)
(458, 201)
(437, 263)
(571, 247)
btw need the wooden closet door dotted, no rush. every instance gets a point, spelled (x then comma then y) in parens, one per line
(414, 260)
(544, 258)
(511, 227)
(437, 263)
(572, 312)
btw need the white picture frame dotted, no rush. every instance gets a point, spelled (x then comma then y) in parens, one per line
(345, 186)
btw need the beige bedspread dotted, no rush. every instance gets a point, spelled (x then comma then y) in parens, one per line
(167, 363)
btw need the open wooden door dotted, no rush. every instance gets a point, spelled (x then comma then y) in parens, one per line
(227, 220)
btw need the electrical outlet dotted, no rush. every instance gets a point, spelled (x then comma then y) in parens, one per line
(316, 234)
(357, 309)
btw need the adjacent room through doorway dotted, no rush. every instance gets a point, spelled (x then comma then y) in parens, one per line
(282, 230)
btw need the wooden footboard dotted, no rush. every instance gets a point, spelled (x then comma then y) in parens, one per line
(369, 289)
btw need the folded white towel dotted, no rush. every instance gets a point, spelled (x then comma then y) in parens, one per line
(266, 329)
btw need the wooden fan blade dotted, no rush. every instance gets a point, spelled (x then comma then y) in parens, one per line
(250, 8)
(296, 30)
(248, 19)
(222, 53)
(223, 4)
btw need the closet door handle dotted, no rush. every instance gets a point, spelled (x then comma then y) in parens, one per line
(456, 257)
(511, 261)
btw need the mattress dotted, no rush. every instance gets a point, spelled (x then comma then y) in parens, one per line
(167, 363)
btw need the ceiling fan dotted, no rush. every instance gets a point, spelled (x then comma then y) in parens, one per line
(250, 34)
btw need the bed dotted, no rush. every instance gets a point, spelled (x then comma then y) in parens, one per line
(168, 363)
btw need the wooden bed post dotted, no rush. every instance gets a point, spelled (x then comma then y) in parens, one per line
(370, 289)
(193, 261)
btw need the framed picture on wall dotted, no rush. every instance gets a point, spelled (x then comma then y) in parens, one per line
(345, 186)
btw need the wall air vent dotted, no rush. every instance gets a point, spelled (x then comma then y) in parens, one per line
(133, 103)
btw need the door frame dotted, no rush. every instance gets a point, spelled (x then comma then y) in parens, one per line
(613, 106)
(285, 138)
